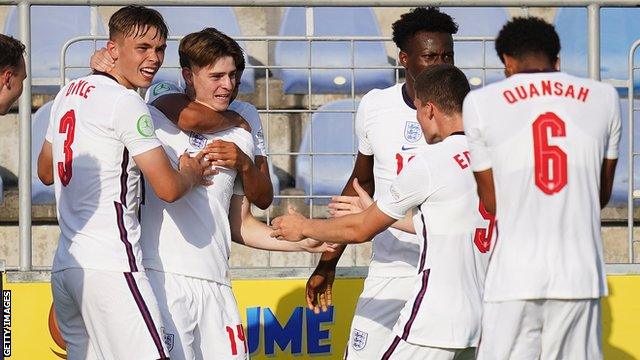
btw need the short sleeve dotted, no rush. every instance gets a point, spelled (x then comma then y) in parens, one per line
(250, 113)
(160, 89)
(614, 129)
(133, 125)
(364, 146)
(410, 189)
(475, 132)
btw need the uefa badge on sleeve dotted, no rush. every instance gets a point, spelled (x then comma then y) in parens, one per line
(412, 131)
(359, 339)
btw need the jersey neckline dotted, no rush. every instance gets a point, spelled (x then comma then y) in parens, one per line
(406, 98)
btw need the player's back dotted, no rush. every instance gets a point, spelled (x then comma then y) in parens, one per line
(546, 135)
(96, 126)
(455, 236)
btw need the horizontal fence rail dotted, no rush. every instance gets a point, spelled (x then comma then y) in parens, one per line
(593, 30)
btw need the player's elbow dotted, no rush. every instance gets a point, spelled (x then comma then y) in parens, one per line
(45, 174)
(263, 201)
(46, 177)
(169, 195)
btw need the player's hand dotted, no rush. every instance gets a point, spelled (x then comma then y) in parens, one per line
(345, 205)
(101, 61)
(319, 289)
(196, 168)
(288, 227)
(315, 246)
(227, 154)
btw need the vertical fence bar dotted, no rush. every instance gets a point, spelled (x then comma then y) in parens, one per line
(24, 171)
(630, 195)
(593, 28)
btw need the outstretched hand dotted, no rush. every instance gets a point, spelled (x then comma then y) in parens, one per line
(319, 290)
(345, 205)
(288, 227)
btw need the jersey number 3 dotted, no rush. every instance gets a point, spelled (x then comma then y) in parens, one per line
(550, 160)
(68, 127)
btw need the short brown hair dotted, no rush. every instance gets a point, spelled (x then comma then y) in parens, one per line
(11, 53)
(136, 21)
(205, 47)
(444, 85)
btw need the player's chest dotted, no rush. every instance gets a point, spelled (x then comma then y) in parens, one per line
(394, 139)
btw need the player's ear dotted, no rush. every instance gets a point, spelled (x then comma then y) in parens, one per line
(403, 56)
(187, 75)
(556, 66)
(509, 65)
(112, 49)
(5, 77)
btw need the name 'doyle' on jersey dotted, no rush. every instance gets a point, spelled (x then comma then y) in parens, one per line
(545, 88)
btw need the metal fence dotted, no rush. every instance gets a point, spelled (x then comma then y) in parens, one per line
(25, 100)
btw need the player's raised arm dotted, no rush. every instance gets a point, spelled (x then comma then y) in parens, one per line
(192, 116)
(188, 115)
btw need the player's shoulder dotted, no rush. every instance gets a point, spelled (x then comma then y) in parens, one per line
(161, 88)
(239, 105)
(382, 96)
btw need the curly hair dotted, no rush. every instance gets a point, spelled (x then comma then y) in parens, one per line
(11, 53)
(428, 19)
(528, 36)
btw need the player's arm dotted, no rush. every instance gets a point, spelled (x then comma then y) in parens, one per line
(249, 231)
(610, 161)
(486, 190)
(345, 205)
(480, 155)
(168, 183)
(45, 163)
(191, 116)
(349, 229)
(186, 114)
(606, 180)
(254, 176)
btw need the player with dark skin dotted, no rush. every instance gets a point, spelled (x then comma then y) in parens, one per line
(190, 115)
(526, 63)
(423, 49)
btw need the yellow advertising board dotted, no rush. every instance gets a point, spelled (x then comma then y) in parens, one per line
(277, 324)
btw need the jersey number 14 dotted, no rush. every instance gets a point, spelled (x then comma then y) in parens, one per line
(550, 160)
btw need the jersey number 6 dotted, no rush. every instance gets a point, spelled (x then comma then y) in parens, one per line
(67, 126)
(550, 160)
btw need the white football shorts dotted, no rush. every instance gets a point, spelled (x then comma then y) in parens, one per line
(541, 329)
(376, 313)
(399, 349)
(107, 315)
(201, 318)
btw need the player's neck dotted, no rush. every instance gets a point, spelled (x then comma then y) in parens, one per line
(532, 65)
(121, 79)
(450, 124)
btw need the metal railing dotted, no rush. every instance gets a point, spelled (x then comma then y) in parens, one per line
(593, 30)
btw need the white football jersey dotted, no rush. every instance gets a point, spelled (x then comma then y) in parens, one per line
(96, 127)
(455, 245)
(191, 236)
(387, 128)
(545, 136)
(244, 109)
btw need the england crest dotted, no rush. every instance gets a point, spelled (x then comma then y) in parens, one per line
(412, 131)
(359, 339)
(168, 339)
(197, 141)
